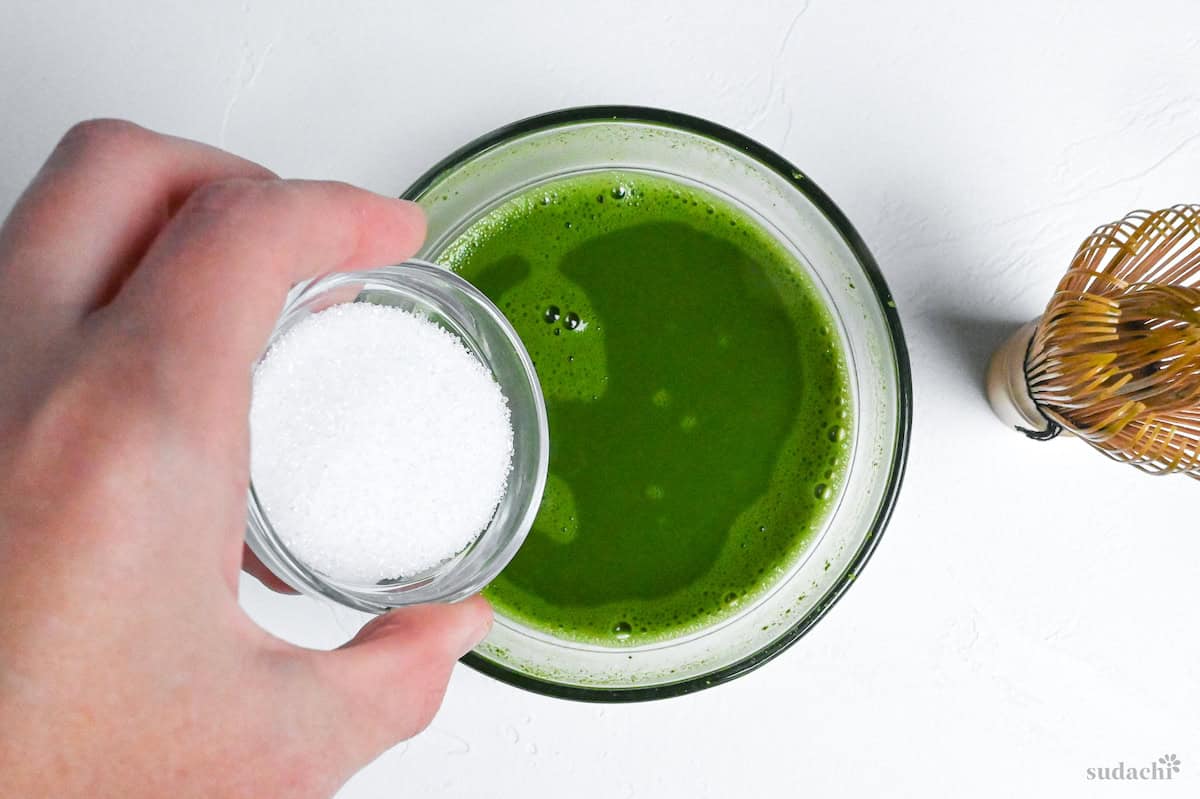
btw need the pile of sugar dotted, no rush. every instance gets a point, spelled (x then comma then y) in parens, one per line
(380, 446)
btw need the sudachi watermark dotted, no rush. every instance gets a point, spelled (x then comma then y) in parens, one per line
(1164, 768)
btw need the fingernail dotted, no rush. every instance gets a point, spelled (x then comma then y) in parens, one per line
(476, 634)
(410, 207)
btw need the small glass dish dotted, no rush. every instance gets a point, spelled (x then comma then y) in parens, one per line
(451, 302)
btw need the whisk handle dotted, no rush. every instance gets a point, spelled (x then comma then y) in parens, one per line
(1008, 391)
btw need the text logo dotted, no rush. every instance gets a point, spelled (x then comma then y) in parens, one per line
(1165, 768)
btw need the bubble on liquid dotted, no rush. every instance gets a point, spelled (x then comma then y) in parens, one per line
(824, 331)
(661, 398)
(547, 199)
(821, 491)
(570, 359)
(620, 191)
(558, 331)
(551, 314)
(829, 474)
(572, 321)
(731, 599)
(837, 433)
(654, 492)
(762, 528)
(569, 225)
(622, 630)
(599, 198)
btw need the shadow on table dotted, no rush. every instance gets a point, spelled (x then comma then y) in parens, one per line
(969, 339)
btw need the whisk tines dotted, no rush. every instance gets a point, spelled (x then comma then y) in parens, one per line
(1115, 358)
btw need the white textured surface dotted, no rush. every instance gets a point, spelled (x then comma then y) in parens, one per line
(1033, 609)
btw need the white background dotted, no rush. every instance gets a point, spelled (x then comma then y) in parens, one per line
(1032, 611)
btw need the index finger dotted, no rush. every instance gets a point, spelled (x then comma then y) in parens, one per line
(92, 210)
(203, 301)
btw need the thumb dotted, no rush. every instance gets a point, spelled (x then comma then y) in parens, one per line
(389, 680)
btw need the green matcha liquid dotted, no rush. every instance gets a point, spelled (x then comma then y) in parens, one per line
(698, 402)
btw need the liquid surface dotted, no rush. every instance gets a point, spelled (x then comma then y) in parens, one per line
(697, 396)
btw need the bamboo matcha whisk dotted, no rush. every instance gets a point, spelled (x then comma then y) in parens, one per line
(1115, 359)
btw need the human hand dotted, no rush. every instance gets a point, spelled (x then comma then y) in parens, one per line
(140, 276)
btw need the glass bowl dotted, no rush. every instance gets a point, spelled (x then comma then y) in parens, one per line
(784, 201)
(451, 302)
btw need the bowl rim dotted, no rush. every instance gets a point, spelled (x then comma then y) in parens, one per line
(802, 183)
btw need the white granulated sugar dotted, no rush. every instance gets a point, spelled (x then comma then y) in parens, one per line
(380, 446)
